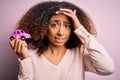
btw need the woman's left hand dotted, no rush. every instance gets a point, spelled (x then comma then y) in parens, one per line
(72, 15)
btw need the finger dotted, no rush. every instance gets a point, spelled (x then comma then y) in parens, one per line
(24, 48)
(63, 12)
(16, 45)
(67, 14)
(66, 10)
(23, 45)
(12, 43)
(19, 47)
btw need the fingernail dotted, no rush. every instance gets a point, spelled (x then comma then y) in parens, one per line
(61, 9)
(57, 12)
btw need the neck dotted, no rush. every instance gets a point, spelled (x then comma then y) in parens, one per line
(56, 50)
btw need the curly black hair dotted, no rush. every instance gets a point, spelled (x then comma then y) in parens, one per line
(35, 22)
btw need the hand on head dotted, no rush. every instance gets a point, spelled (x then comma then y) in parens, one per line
(71, 14)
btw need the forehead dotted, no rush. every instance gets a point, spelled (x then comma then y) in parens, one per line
(59, 17)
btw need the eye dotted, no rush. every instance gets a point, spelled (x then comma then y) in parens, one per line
(67, 25)
(53, 25)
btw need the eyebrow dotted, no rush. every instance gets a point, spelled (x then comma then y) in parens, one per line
(54, 20)
(59, 21)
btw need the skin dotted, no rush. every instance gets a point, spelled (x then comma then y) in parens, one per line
(59, 31)
(20, 48)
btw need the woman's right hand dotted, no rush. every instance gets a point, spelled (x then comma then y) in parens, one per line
(20, 48)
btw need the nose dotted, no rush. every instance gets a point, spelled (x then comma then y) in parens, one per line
(61, 31)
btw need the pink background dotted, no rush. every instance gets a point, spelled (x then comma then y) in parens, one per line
(105, 14)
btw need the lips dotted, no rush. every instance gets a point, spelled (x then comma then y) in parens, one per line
(59, 40)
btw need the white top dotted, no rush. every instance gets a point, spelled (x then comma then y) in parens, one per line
(91, 56)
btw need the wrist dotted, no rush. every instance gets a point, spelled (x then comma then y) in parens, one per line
(24, 56)
(77, 25)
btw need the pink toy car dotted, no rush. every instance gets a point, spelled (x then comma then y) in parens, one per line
(21, 35)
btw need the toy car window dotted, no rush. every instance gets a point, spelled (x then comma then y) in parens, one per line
(14, 32)
(22, 31)
(18, 32)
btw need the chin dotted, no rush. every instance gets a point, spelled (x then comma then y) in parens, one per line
(59, 44)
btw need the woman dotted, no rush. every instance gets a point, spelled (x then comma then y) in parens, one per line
(63, 44)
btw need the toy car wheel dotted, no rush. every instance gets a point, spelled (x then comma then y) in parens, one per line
(23, 38)
(11, 38)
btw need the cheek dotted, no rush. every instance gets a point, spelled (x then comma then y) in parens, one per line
(51, 34)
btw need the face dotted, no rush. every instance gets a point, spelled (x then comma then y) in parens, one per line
(59, 30)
